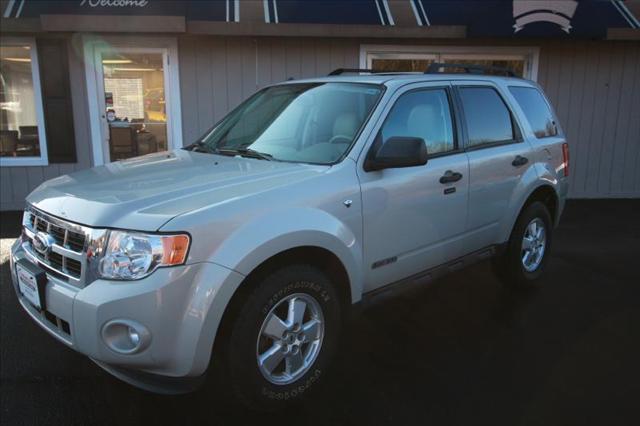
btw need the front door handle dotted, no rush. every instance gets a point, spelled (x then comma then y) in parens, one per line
(519, 161)
(449, 177)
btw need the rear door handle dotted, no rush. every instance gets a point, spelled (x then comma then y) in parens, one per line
(450, 176)
(519, 161)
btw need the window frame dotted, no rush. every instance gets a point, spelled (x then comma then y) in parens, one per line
(43, 159)
(455, 131)
(517, 130)
(554, 119)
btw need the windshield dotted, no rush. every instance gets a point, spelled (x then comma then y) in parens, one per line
(311, 122)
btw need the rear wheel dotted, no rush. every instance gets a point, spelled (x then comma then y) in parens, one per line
(283, 338)
(525, 257)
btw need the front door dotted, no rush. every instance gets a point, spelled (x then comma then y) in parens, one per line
(414, 217)
(133, 97)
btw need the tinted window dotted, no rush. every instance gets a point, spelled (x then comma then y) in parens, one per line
(423, 114)
(536, 110)
(488, 119)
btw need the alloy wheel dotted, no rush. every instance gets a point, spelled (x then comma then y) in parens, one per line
(290, 338)
(534, 245)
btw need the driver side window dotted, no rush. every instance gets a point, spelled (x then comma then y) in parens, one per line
(422, 114)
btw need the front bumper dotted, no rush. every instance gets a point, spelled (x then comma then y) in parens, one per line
(181, 307)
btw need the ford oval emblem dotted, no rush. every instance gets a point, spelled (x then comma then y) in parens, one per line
(42, 243)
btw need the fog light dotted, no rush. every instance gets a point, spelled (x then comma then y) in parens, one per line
(125, 336)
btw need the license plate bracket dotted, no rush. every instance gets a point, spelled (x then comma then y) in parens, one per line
(32, 282)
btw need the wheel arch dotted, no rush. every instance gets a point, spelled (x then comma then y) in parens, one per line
(320, 257)
(543, 192)
(548, 196)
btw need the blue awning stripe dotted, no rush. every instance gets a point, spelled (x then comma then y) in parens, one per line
(481, 18)
(626, 14)
(415, 12)
(424, 14)
(19, 12)
(387, 11)
(8, 9)
(379, 9)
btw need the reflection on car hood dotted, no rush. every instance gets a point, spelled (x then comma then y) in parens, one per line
(144, 193)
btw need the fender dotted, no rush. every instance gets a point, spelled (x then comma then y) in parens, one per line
(254, 242)
(534, 178)
(283, 229)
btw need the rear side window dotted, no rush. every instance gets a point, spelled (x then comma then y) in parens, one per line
(536, 110)
(487, 116)
(422, 114)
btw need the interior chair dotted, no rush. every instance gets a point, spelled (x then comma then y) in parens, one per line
(8, 143)
(346, 125)
(122, 142)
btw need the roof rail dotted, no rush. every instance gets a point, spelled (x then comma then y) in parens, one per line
(434, 68)
(340, 71)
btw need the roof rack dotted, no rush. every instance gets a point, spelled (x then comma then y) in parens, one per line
(434, 68)
(340, 71)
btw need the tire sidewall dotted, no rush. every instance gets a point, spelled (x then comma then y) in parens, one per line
(249, 383)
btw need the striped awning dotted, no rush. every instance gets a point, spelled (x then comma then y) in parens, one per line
(482, 18)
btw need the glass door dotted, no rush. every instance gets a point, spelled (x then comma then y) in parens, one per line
(132, 85)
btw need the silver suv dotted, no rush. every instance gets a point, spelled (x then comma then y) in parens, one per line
(242, 254)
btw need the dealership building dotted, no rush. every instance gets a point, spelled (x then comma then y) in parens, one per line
(87, 82)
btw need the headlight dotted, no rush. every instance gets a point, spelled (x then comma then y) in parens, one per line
(134, 255)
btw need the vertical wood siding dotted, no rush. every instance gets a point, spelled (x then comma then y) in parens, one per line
(595, 89)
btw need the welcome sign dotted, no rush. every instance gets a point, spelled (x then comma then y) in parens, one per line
(114, 3)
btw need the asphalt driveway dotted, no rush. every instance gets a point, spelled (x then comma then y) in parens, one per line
(461, 351)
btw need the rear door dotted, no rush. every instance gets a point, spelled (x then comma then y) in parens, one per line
(498, 157)
(412, 217)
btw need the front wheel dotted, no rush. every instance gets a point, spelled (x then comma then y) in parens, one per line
(526, 254)
(283, 337)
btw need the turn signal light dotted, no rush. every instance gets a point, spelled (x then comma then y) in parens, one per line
(174, 249)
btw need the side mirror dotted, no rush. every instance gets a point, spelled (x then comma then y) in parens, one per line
(396, 152)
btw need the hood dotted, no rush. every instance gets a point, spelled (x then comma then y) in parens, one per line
(145, 192)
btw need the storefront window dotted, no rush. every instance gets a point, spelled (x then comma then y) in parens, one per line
(400, 65)
(400, 62)
(389, 58)
(514, 64)
(20, 106)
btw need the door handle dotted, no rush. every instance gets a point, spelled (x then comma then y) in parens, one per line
(449, 177)
(519, 161)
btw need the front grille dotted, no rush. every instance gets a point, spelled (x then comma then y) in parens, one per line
(68, 236)
(64, 237)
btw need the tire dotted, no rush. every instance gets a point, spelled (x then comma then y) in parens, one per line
(511, 267)
(247, 343)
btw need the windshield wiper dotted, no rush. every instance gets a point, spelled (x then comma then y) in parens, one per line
(245, 152)
(200, 146)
